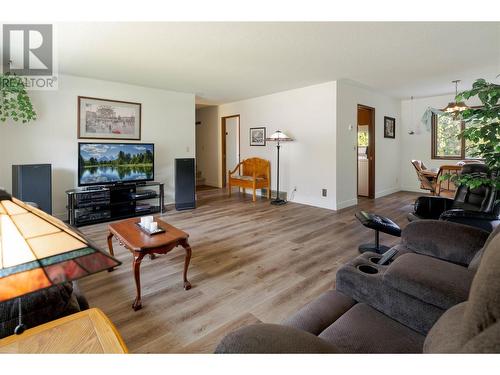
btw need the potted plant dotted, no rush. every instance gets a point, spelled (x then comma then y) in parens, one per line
(482, 133)
(15, 104)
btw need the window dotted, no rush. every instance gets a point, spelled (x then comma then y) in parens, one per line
(446, 143)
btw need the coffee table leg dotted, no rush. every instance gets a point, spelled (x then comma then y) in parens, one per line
(137, 274)
(110, 247)
(185, 245)
(110, 244)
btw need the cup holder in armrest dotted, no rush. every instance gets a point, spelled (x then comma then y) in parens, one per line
(365, 268)
(375, 259)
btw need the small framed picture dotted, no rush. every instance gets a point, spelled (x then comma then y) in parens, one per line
(257, 136)
(389, 127)
(108, 119)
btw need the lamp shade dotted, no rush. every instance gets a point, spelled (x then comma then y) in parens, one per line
(279, 136)
(38, 251)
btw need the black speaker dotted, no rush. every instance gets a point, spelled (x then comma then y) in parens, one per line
(33, 183)
(185, 184)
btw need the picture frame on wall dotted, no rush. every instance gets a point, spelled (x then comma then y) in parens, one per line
(258, 136)
(389, 127)
(108, 119)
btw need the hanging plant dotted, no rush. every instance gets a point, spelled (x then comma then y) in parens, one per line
(15, 104)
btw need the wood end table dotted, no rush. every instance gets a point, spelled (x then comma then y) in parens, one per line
(89, 331)
(141, 244)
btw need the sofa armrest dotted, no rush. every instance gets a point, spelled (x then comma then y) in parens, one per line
(272, 339)
(445, 240)
(436, 282)
(481, 220)
(231, 172)
(321, 312)
(431, 207)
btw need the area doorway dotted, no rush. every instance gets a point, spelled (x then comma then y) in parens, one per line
(230, 144)
(366, 151)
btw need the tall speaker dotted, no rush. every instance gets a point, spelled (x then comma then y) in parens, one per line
(185, 184)
(33, 183)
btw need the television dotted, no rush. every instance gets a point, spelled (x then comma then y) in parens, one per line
(112, 163)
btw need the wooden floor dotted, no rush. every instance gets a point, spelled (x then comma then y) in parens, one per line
(252, 262)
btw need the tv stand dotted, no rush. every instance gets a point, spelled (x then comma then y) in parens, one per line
(93, 188)
(98, 204)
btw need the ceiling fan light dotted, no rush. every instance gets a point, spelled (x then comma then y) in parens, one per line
(461, 106)
(455, 106)
(450, 107)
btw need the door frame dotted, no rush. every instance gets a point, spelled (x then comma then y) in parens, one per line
(223, 146)
(371, 150)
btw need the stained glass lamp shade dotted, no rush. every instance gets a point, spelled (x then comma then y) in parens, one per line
(38, 251)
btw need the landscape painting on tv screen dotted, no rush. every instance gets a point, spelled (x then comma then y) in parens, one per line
(103, 163)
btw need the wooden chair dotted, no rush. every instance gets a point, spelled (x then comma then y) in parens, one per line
(253, 173)
(430, 179)
(427, 177)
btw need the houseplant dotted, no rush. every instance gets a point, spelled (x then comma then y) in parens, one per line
(482, 132)
(15, 104)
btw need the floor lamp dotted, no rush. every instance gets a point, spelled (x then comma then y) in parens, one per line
(278, 137)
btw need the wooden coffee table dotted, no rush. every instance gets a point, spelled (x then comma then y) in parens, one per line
(141, 244)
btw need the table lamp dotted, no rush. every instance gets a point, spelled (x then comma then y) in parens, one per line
(38, 251)
(278, 137)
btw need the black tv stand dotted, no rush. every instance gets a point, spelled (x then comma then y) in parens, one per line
(92, 188)
(98, 204)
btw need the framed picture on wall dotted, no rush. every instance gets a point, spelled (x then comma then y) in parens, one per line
(389, 127)
(108, 119)
(257, 136)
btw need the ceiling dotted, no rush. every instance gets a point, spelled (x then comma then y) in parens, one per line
(224, 62)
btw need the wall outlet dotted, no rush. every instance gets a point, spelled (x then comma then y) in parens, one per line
(323, 192)
(294, 188)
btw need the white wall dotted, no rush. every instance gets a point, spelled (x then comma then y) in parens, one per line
(167, 120)
(207, 141)
(387, 151)
(308, 115)
(418, 146)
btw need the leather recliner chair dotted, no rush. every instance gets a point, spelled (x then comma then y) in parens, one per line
(476, 207)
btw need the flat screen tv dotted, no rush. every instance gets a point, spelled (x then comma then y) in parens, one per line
(111, 163)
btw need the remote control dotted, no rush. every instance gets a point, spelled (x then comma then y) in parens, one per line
(388, 255)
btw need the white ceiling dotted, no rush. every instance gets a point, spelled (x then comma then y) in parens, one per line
(223, 62)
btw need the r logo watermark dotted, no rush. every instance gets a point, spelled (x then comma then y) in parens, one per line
(28, 53)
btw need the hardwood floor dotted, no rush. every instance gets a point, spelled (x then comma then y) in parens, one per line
(252, 262)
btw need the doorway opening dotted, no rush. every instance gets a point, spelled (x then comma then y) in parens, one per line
(366, 151)
(230, 144)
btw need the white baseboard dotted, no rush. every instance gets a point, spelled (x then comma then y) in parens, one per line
(413, 189)
(385, 192)
(348, 203)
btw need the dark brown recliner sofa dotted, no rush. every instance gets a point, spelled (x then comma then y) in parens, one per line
(432, 271)
(336, 323)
